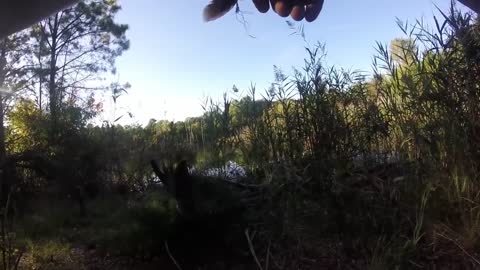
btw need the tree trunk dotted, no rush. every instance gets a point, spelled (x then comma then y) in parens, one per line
(52, 87)
(52, 73)
(4, 189)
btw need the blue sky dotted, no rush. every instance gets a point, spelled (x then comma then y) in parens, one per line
(176, 59)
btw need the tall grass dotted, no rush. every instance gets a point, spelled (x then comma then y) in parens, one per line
(389, 158)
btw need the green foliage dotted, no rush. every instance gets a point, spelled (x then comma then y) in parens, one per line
(27, 127)
(49, 254)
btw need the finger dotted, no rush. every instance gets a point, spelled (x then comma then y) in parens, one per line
(302, 2)
(313, 10)
(272, 3)
(217, 8)
(282, 7)
(262, 5)
(298, 12)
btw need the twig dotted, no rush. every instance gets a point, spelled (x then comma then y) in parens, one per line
(171, 256)
(460, 247)
(19, 257)
(252, 250)
(416, 264)
(241, 18)
(268, 254)
(5, 252)
(276, 263)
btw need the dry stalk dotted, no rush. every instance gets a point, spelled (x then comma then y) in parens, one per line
(252, 250)
(171, 257)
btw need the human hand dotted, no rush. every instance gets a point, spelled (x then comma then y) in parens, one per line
(297, 9)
